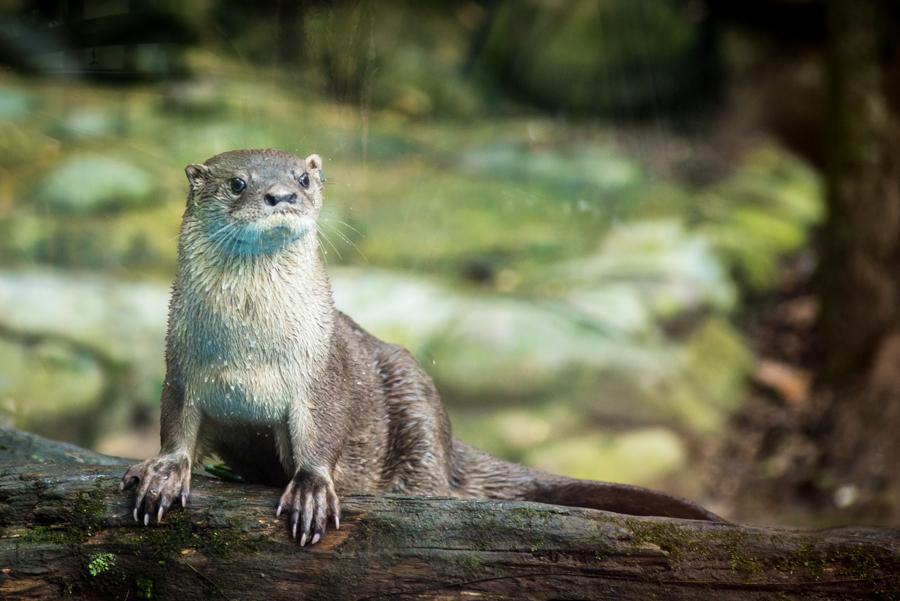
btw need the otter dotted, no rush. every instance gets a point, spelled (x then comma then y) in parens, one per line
(263, 370)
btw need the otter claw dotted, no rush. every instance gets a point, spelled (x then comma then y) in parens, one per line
(162, 480)
(309, 498)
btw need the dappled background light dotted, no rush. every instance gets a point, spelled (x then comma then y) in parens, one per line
(563, 209)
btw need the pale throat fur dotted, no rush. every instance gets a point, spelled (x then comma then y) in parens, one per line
(249, 332)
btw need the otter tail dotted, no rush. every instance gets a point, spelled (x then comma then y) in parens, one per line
(479, 475)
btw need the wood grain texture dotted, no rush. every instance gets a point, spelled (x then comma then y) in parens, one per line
(67, 533)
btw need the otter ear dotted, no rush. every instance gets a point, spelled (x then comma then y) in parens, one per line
(314, 164)
(196, 174)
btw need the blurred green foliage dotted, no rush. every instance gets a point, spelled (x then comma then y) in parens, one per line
(611, 57)
(86, 184)
(572, 299)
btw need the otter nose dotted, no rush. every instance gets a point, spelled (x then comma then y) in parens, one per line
(274, 197)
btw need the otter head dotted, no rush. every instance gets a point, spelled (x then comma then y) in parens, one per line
(254, 202)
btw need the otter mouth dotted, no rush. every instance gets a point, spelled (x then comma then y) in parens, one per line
(281, 223)
(269, 234)
(283, 210)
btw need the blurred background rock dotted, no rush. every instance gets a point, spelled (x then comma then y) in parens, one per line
(575, 214)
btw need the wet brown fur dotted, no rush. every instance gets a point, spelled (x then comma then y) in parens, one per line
(366, 419)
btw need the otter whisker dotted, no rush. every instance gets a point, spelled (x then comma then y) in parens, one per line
(240, 237)
(344, 223)
(322, 251)
(348, 241)
(218, 235)
(320, 231)
(221, 235)
(231, 242)
(228, 225)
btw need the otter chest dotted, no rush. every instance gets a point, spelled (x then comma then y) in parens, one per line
(258, 395)
(245, 365)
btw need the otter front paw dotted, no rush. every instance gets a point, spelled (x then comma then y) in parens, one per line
(161, 479)
(311, 497)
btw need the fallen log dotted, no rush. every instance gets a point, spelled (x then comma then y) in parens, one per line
(67, 532)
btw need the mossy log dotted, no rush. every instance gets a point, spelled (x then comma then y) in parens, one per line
(67, 532)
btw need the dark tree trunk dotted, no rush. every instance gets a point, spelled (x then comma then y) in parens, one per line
(860, 266)
(860, 276)
(67, 532)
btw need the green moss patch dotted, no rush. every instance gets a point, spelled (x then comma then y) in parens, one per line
(100, 563)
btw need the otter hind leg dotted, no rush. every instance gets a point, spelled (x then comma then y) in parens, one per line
(418, 451)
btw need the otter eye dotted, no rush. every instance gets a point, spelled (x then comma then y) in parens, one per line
(237, 185)
(304, 180)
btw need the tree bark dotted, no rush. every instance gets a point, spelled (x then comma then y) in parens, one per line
(67, 532)
(861, 285)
